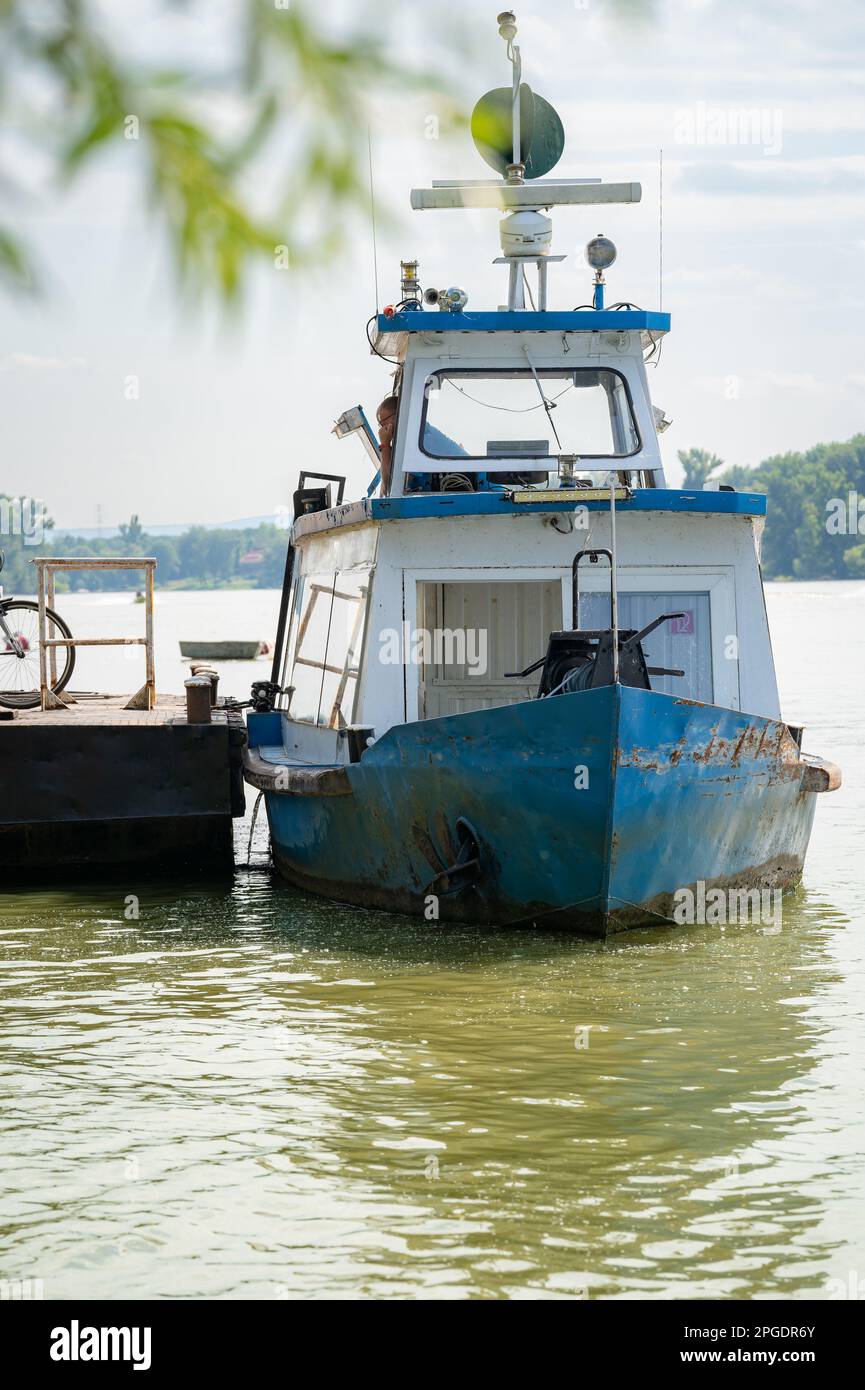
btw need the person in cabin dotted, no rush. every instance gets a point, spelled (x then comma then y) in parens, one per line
(386, 417)
(434, 440)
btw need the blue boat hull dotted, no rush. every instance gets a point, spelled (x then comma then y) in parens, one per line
(587, 811)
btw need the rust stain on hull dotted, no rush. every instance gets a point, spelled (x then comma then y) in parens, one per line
(676, 796)
(473, 909)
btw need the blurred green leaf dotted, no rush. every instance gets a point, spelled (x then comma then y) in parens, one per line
(15, 268)
(290, 118)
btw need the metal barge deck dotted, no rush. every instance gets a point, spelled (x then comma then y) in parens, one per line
(95, 786)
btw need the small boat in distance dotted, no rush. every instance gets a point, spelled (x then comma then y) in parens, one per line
(223, 651)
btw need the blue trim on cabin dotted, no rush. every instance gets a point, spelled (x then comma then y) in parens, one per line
(421, 504)
(448, 504)
(524, 321)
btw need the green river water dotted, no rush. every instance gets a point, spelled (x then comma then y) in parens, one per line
(250, 1093)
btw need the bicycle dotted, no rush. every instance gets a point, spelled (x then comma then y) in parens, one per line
(20, 680)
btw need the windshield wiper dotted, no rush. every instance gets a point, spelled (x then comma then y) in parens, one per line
(549, 406)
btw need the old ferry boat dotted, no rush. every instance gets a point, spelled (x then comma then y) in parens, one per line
(522, 680)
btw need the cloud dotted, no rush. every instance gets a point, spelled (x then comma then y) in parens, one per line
(758, 385)
(768, 179)
(726, 280)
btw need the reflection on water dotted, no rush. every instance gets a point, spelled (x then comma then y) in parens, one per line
(255, 1092)
(249, 1092)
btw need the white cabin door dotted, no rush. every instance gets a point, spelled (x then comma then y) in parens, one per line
(476, 631)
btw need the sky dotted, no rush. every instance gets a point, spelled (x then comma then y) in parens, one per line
(758, 108)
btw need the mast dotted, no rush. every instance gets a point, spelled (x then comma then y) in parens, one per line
(507, 22)
(520, 135)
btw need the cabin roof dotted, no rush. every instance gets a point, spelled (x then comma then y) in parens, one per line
(419, 505)
(522, 320)
(394, 331)
(391, 328)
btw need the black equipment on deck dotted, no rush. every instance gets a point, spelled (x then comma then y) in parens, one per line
(582, 659)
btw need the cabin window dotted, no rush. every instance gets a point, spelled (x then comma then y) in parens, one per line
(488, 414)
(329, 615)
(685, 644)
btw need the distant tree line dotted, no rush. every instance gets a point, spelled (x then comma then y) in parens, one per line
(815, 524)
(200, 558)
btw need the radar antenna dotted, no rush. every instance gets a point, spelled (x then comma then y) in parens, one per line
(521, 137)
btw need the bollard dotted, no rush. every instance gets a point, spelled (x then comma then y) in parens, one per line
(200, 668)
(198, 699)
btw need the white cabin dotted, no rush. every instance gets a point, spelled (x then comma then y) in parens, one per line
(415, 605)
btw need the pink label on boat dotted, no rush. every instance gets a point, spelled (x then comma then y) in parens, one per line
(684, 626)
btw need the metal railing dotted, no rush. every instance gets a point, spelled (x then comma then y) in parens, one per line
(46, 568)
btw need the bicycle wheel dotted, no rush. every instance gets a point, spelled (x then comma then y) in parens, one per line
(19, 675)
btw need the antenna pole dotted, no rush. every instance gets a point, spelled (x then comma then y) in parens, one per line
(507, 21)
(660, 229)
(372, 214)
(518, 72)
